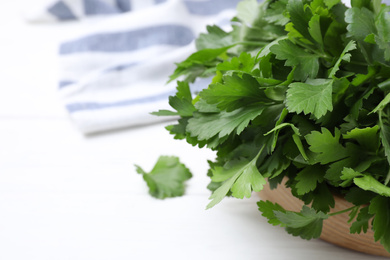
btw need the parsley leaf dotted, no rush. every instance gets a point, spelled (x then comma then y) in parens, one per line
(207, 125)
(215, 38)
(367, 137)
(243, 178)
(313, 97)
(345, 56)
(383, 37)
(268, 210)
(368, 182)
(167, 177)
(380, 207)
(235, 92)
(181, 102)
(307, 224)
(361, 222)
(326, 146)
(244, 63)
(300, 17)
(308, 178)
(306, 63)
(198, 63)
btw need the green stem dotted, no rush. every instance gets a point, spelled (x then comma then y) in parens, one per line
(258, 43)
(341, 211)
(320, 54)
(387, 180)
(359, 63)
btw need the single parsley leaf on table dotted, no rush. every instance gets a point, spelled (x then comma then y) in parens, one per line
(167, 178)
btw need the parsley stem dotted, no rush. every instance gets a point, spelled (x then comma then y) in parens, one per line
(257, 43)
(381, 125)
(320, 54)
(341, 211)
(387, 178)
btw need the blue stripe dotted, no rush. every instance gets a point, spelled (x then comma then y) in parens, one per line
(210, 7)
(121, 67)
(95, 7)
(159, 1)
(118, 68)
(65, 83)
(130, 40)
(77, 107)
(61, 11)
(123, 5)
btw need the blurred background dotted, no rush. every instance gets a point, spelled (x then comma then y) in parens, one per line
(78, 79)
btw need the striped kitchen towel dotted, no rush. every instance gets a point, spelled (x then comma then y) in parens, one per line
(114, 74)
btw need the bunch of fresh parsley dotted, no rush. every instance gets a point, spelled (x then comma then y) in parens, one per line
(300, 89)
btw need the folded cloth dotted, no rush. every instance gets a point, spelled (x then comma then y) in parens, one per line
(114, 74)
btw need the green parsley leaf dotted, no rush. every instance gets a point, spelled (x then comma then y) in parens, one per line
(300, 17)
(331, 3)
(315, 29)
(368, 182)
(361, 22)
(321, 198)
(244, 63)
(326, 146)
(215, 38)
(306, 63)
(247, 11)
(380, 208)
(382, 104)
(383, 27)
(308, 178)
(367, 137)
(358, 196)
(244, 177)
(307, 224)
(385, 135)
(345, 56)
(313, 97)
(235, 92)
(181, 102)
(348, 175)
(198, 63)
(361, 222)
(167, 177)
(268, 210)
(205, 126)
(276, 13)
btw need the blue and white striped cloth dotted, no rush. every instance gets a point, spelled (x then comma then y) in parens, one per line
(114, 75)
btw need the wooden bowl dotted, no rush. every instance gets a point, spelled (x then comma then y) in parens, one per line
(336, 228)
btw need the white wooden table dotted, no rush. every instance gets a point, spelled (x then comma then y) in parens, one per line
(66, 196)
